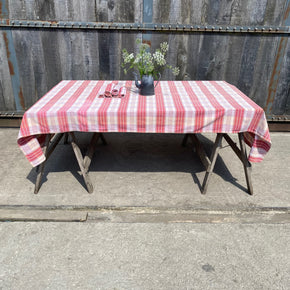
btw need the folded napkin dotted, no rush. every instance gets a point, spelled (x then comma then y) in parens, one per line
(108, 90)
(118, 91)
(122, 92)
(113, 91)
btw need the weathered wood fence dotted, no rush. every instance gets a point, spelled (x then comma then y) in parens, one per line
(244, 42)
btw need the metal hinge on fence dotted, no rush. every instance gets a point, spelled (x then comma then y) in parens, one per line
(279, 118)
(10, 114)
(166, 27)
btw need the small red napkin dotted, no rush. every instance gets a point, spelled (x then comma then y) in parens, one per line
(113, 91)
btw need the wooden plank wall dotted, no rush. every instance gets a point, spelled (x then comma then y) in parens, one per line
(46, 56)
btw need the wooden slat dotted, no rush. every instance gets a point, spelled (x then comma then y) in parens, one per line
(40, 169)
(213, 157)
(6, 90)
(80, 160)
(246, 164)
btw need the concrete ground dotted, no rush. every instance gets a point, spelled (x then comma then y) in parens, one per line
(146, 225)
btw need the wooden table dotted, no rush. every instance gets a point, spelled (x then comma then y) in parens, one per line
(187, 107)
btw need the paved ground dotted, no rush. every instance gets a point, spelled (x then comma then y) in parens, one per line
(146, 225)
(145, 171)
(144, 256)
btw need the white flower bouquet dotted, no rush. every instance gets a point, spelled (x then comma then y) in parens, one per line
(147, 63)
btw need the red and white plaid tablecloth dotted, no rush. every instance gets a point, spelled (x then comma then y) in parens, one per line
(177, 107)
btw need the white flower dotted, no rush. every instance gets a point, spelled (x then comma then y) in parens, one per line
(159, 58)
(128, 57)
(164, 47)
(175, 71)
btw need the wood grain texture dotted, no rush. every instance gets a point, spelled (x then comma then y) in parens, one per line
(6, 91)
(45, 56)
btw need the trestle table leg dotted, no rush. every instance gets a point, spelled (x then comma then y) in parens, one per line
(246, 164)
(210, 163)
(65, 138)
(103, 139)
(84, 162)
(214, 154)
(184, 141)
(40, 168)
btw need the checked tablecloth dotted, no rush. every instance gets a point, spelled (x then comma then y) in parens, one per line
(176, 107)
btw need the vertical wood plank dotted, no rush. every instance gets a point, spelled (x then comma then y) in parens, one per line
(6, 91)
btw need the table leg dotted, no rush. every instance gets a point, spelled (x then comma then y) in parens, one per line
(40, 168)
(47, 150)
(210, 163)
(184, 141)
(246, 164)
(214, 154)
(103, 139)
(84, 162)
(242, 154)
(65, 138)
